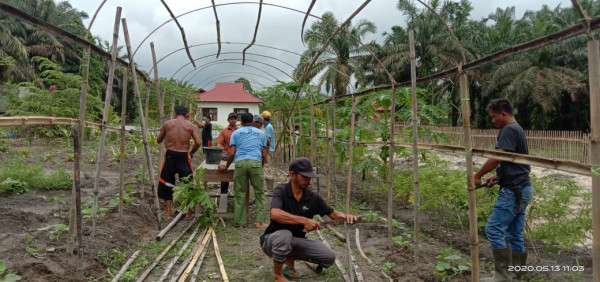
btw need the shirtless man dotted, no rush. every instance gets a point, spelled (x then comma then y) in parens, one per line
(177, 158)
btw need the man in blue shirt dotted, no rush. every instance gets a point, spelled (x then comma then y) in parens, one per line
(271, 134)
(248, 150)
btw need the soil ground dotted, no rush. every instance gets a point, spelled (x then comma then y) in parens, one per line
(22, 215)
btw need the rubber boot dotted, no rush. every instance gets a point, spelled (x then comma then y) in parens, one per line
(519, 258)
(222, 204)
(502, 259)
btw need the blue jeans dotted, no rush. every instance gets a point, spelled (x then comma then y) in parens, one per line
(506, 220)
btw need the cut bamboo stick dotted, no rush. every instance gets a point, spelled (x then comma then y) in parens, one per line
(189, 267)
(198, 265)
(328, 161)
(218, 255)
(313, 134)
(349, 191)
(362, 254)
(122, 155)
(336, 233)
(179, 253)
(416, 198)
(163, 253)
(333, 150)
(338, 263)
(125, 266)
(142, 121)
(77, 200)
(171, 225)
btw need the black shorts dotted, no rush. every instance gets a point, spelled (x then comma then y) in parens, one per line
(174, 163)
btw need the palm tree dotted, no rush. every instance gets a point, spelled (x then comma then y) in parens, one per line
(340, 61)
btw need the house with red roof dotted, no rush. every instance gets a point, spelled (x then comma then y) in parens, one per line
(225, 98)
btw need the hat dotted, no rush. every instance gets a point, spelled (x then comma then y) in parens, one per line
(259, 119)
(232, 115)
(266, 114)
(303, 166)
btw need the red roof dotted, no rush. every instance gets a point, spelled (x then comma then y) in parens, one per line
(228, 93)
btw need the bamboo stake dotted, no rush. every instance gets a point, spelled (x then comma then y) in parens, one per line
(199, 263)
(186, 262)
(188, 269)
(122, 158)
(416, 198)
(337, 261)
(349, 185)
(107, 99)
(466, 113)
(138, 101)
(125, 266)
(594, 74)
(362, 254)
(147, 97)
(328, 155)
(301, 147)
(163, 253)
(313, 134)
(390, 203)
(171, 225)
(218, 255)
(293, 144)
(333, 149)
(172, 107)
(179, 253)
(160, 99)
(77, 185)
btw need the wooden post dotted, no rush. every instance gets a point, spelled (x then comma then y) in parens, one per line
(138, 101)
(301, 146)
(77, 185)
(349, 184)
(147, 97)
(390, 215)
(466, 113)
(594, 75)
(161, 103)
(172, 106)
(292, 143)
(122, 158)
(107, 98)
(327, 164)
(416, 198)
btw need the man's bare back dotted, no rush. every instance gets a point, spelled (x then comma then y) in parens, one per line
(178, 132)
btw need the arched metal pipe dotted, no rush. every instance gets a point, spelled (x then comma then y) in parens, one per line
(232, 76)
(239, 73)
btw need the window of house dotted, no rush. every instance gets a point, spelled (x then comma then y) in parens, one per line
(212, 112)
(240, 111)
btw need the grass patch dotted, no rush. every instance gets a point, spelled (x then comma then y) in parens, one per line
(33, 176)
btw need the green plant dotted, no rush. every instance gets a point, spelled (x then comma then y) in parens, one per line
(388, 267)
(13, 186)
(24, 152)
(49, 157)
(70, 157)
(450, 263)
(191, 192)
(7, 275)
(403, 240)
(4, 146)
(29, 239)
(56, 232)
(59, 200)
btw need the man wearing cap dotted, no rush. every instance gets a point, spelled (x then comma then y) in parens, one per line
(248, 149)
(271, 135)
(223, 141)
(292, 210)
(258, 122)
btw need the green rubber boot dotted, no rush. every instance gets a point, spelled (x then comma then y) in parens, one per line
(502, 259)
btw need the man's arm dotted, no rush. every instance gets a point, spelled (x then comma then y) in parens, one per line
(221, 139)
(230, 156)
(263, 153)
(284, 217)
(488, 166)
(162, 134)
(197, 141)
(350, 218)
(199, 124)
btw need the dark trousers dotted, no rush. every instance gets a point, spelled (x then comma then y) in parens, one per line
(281, 245)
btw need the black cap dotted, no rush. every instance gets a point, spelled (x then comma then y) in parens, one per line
(303, 166)
(232, 115)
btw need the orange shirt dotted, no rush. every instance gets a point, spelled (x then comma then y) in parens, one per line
(225, 137)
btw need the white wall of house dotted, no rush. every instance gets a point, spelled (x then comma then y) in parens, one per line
(223, 109)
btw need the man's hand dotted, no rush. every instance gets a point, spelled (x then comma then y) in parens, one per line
(477, 180)
(351, 219)
(489, 182)
(311, 225)
(222, 167)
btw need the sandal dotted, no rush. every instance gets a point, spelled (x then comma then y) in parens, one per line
(287, 272)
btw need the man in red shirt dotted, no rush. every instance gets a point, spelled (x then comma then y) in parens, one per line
(223, 141)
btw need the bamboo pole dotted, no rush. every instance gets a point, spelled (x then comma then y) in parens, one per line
(138, 101)
(594, 74)
(160, 99)
(390, 203)
(196, 269)
(186, 262)
(188, 269)
(107, 99)
(362, 254)
(328, 181)
(293, 144)
(77, 186)
(333, 149)
(172, 107)
(466, 113)
(416, 198)
(147, 97)
(313, 134)
(179, 254)
(163, 253)
(218, 255)
(349, 185)
(187, 49)
(125, 266)
(122, 158)
(171, 225)
(301, 147)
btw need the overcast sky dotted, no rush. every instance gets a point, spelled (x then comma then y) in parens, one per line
(279, 28)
